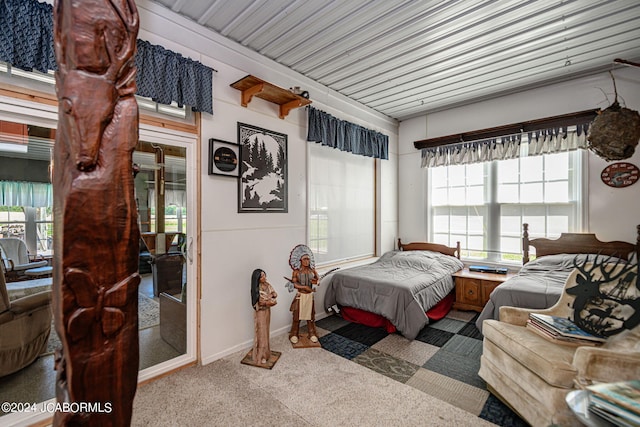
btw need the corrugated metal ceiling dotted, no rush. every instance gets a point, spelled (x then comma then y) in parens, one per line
(407, 57)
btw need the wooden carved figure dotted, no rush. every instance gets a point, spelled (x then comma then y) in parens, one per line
(304, 278)
(95, 217)
(263, 297)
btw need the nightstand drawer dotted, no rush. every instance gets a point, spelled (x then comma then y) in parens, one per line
(473, 289)
(468, 291)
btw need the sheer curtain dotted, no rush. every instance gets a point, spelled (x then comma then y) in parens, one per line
(27, 194)
(342, 187)
(171, 197)
(546, 141)
(556, 140)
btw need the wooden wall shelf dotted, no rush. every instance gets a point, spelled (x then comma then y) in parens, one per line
(251, 86)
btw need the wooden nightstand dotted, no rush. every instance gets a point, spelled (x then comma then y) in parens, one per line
(473, 289)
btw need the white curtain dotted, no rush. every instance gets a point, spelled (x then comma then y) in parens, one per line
(171, 197)
(557, 140)
(506, 147)
(539, 142)
(28, 194)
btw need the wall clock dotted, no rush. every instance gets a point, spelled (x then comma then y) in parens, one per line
(621, 174)
(224, 158)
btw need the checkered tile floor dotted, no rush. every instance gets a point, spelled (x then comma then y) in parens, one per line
(442, 361)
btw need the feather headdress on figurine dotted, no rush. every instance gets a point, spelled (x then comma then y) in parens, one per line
(294, 261)
(296, 255)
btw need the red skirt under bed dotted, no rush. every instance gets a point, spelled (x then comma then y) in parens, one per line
(373, 320)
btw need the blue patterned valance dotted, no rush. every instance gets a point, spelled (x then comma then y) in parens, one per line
(26, 42)
(166, 76)
(26, 35)
(330, 131)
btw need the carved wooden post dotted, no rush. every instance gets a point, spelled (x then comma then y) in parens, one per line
(96, 233)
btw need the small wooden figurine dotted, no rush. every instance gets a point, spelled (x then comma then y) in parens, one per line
(304, 278)
(263, 297)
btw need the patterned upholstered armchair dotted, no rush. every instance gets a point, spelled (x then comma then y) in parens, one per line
(25, 325)
(533, 374)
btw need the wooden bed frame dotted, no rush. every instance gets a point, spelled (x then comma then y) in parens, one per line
(435, 247)
(436, 312)
(577, 243)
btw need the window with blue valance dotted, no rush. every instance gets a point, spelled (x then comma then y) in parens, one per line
(26, 42)
(345, 136)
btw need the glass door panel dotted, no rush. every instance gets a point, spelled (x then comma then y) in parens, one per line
(160, 186)
(26, 214)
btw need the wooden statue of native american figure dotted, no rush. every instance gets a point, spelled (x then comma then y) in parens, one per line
(96, 239)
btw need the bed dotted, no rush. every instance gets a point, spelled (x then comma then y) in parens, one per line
(539, 282)
(400, 287)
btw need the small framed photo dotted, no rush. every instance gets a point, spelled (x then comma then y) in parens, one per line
(224, 158)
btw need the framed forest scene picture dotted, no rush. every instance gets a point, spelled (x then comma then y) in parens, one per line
(262, 186)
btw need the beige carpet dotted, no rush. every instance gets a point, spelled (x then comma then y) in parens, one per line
(306, 387)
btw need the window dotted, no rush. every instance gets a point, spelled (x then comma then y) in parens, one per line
(172, 197)
(26, 194)
(483, 205)
(12, 222)
(32, 225)
(147, 104)
(341, 205)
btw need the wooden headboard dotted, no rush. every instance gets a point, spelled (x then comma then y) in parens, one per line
(435, 247)
(577, 243)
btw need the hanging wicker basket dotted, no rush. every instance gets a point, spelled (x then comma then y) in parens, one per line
(614, 133)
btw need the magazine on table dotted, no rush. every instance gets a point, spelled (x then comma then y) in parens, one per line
(602, 406)
(563, 327)
(625, 394)
(611, 417)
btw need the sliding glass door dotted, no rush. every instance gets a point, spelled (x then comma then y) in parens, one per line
(165, 170)
(161, 193)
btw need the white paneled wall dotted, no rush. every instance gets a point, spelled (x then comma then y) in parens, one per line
(232, 245)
